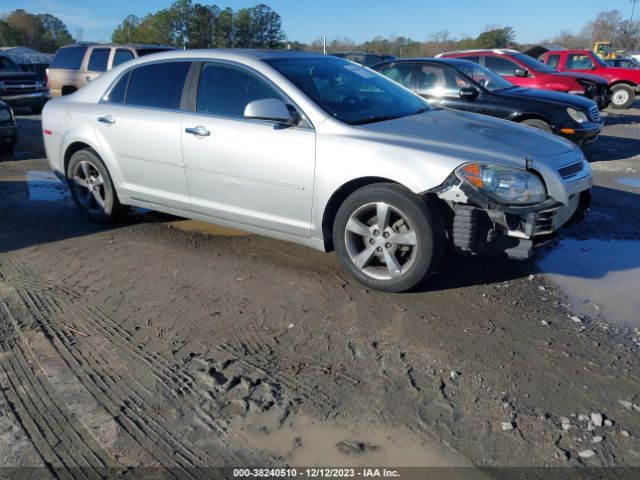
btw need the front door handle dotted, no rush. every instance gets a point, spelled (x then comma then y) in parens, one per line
(107, 120)
(198, 131)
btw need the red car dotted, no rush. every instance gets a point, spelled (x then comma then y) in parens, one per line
(526, 71)
(624, 82)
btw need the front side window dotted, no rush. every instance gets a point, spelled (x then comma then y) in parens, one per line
(122, 55)
(533, 64)
(400, 73)
(501, 66)
(69, 58)
(349, 92)
(484, 77)
(430, 79)
(98, 60)
(577, 61)
(225, 90)
(553, 61)
(474, 58)
(157, 85)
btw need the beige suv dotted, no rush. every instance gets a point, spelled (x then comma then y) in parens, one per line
(75, 65)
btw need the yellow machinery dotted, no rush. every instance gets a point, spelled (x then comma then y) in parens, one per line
(603, 50)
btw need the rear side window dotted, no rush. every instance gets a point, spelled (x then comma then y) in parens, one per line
(226, 91)
(122, 55)
(400, 73)
(553, 61)
(501, 66)
(98, 60)
(69, 58)
(158, 85)
(576, 61)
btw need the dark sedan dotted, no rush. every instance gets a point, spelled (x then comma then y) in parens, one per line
(8, 130)
(465, 85)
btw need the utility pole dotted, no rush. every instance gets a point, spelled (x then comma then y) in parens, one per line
(630, 26)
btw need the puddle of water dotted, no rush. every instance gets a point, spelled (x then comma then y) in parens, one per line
(206, 228)
(35, 185)
(629, 181)
(302, 441)
(599, 276)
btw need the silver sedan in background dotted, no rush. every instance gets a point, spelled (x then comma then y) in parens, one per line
(316, 150)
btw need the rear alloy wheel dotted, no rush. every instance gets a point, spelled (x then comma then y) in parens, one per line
(91, 187)
(539, 124)
(622, 96)
(388, 237)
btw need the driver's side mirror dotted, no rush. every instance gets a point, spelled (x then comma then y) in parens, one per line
(520, 72)
(272, 109)
(468, 93)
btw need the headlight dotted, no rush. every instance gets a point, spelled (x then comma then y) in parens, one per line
(577, 115)
(503, 184)
(5, 115)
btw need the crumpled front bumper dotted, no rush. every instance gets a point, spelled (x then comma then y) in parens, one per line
(480, 226)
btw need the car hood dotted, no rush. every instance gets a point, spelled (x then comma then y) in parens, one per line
(481, 135)
(547, 96)
(18, 76)
(586, 76)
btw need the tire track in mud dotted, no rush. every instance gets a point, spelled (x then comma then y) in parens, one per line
(86, 317)
(55, 432)
(113, 391)
(250, 349)
(119, 394)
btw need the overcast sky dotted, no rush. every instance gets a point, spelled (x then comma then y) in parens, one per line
(306, 20)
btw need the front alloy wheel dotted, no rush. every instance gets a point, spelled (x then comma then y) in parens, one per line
(622, 96)
(387, 237)
(380, 241)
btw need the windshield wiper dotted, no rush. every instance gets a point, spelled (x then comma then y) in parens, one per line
(382, 118)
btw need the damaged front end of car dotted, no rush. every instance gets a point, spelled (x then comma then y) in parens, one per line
(497, 209)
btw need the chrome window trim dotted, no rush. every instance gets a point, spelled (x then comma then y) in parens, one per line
(203, 61)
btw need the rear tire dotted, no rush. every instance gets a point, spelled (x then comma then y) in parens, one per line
(539, 124)
(91, 187)
(388, 238)
(622, 96)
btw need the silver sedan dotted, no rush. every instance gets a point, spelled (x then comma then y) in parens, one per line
(316, 150)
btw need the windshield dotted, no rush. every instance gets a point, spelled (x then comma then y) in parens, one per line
(349, 92)
(7, 65)
(534, 64)
(483, 76)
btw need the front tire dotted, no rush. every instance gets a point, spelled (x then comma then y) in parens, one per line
(622, 96)
(388, 238)
(92, 188)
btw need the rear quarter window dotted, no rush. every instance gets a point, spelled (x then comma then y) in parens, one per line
(69, 58)
(158, 85)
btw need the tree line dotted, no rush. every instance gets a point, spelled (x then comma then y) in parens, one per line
(43, 32)
(185, 24)
(189, 25)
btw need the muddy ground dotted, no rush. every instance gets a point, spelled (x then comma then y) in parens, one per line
(165, 343)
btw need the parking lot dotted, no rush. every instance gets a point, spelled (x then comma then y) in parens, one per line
(165, 342)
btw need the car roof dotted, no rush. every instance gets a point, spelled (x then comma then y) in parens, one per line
(446, 61)
(498, 51)
(237, 53)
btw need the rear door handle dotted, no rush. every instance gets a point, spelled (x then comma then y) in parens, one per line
(198, 131)
(107, 120)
